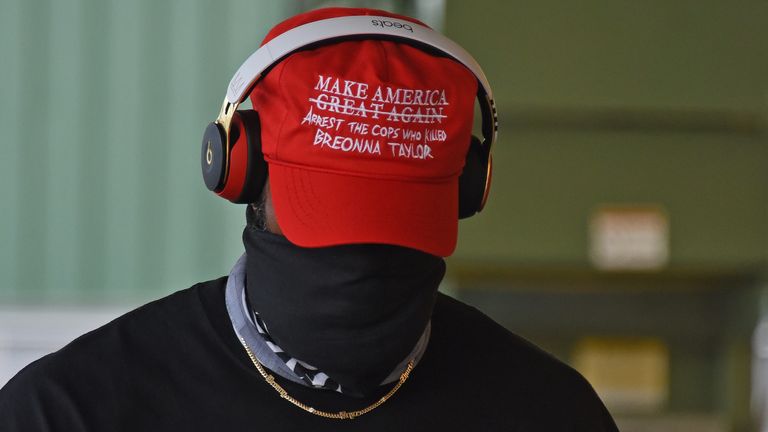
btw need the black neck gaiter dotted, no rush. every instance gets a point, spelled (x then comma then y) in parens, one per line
(353, 311)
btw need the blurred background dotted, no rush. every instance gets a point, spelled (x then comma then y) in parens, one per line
(627, 231)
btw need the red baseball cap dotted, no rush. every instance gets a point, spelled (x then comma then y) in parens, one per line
(365, 140)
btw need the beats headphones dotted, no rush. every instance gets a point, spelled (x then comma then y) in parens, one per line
(231, 158)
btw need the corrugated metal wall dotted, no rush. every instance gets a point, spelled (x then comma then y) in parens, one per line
(102, 106)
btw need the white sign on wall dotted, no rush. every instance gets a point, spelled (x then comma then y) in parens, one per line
(630, 237)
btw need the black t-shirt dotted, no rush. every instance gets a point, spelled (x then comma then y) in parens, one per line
(176, 365)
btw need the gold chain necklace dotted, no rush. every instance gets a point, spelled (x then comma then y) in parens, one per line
(341, 415)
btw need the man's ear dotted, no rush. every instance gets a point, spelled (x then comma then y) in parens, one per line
(254, 216)
(270, 217)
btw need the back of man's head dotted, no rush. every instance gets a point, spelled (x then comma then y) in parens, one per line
(365, 139)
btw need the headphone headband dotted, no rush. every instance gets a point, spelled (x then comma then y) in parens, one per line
(332, 28)
(359, 25)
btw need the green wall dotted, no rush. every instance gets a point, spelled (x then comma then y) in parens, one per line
(103, 104)
(620, 102)
(607, 102)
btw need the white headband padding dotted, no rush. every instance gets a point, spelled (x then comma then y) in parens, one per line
(340, 27)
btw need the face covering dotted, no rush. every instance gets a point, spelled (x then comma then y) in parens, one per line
(353, 311)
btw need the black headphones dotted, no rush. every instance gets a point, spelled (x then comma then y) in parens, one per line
(231, 157)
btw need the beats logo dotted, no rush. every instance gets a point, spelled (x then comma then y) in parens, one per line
(395, 24)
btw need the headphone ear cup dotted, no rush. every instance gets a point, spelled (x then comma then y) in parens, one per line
(246, 169)
(472, 180)
(256, 172)
(212, 157)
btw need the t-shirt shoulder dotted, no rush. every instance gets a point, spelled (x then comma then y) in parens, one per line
(476, 332)
(515, 368)
(157, 322)
(102, 362)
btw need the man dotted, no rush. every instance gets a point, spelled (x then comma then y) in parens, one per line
(331, 320)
